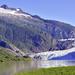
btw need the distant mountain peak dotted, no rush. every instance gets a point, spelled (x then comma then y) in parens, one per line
(10, 8)
(4, 6)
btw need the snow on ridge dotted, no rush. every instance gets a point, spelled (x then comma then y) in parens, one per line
(14, 12)
(69, 39)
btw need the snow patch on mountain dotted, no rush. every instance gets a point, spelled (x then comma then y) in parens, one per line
(13, 12)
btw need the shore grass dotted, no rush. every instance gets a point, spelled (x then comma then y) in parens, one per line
(51, 71)
(7, 57)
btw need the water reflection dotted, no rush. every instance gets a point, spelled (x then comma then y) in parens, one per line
(13, 68)
(17, 67)
(54, 63)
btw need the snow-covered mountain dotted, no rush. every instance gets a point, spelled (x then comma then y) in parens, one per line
(30, 33)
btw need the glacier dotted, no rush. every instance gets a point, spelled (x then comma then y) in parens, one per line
(68, 54)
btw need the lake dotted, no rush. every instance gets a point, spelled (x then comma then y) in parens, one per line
(12, 68)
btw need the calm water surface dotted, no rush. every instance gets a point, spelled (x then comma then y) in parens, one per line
(12, 68)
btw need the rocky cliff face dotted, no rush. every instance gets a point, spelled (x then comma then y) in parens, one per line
(32, 33)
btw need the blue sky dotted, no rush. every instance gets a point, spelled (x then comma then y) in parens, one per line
(61, 10)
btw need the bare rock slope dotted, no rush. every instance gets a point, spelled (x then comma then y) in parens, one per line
(31, 33)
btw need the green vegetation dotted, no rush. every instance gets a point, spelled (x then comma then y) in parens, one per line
(51, 71)
(5, 56)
